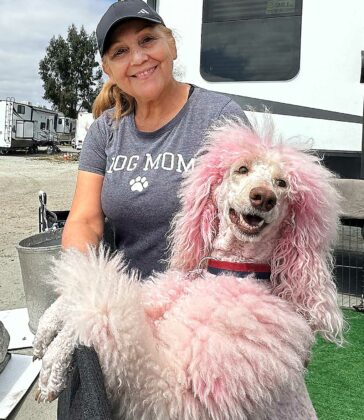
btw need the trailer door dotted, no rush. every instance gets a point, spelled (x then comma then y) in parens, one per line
(24, 129)
(28, 129)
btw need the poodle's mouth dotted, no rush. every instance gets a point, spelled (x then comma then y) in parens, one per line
(249, 224)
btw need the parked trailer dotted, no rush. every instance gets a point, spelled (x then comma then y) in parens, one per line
(302, 59)
(65, 128)
(16, 126)
(25, 126)
(44, 125)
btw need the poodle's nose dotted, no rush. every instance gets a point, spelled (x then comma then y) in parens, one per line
(262, 198)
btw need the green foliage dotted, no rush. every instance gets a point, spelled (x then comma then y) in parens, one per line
(335, 378)
(71, 75)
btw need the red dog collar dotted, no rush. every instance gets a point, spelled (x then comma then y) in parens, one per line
(262, 271)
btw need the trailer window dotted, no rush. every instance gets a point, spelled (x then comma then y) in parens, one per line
(20, 109)
(250, 40)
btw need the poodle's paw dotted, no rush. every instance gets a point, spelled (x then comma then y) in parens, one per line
(42, 396)
(49, 326)
(56, 366)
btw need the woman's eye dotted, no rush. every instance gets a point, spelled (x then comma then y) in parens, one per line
(243, 170)
(119, 52)
(281, 183)
(147, 40)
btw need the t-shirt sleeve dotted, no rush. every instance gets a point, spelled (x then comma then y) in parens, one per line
(93, 154)
(232, 109)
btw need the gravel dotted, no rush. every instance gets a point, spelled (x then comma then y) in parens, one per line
(22, 176)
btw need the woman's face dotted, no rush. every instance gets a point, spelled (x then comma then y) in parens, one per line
(140, 59)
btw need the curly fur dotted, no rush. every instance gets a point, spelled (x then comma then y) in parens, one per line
(169, 352)
(188, 345)
(302, 260)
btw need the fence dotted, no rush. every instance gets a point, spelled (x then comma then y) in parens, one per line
(349, 261)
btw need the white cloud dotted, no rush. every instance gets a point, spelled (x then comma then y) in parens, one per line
(26, 28)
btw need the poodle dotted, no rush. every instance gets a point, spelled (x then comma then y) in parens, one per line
(226, 331)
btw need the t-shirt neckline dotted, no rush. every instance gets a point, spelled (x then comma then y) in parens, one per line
(167, 127)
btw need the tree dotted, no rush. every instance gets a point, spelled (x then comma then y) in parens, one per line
(71, 75)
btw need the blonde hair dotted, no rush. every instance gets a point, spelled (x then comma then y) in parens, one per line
(111, 96)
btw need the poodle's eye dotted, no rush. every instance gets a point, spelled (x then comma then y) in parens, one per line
(243, 170)
(281, 183)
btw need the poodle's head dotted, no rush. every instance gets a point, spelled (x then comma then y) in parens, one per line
(260, 188)
(252, 200)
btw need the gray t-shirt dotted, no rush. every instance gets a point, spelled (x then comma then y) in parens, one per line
(143, 171)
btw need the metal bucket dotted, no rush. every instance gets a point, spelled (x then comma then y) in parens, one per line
(36, 254)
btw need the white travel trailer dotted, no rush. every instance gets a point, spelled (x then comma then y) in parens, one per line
(44, 121)
(16, 125)
(65, 128)
(84, 120)
(303, 59)
(24, 126)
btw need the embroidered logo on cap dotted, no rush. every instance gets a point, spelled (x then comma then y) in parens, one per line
(143, 11)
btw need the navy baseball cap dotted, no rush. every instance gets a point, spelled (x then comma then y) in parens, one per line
(119, 11)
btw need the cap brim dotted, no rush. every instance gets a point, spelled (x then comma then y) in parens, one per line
(123, 19)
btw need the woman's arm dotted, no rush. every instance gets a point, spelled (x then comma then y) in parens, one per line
(85, 223)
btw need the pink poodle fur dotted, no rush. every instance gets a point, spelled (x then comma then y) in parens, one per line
(186, 344)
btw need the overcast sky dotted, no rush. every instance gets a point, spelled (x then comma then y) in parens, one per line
(26, 27)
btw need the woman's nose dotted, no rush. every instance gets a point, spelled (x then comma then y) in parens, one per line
(138, 56)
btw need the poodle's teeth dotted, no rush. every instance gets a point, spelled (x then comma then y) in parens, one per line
(261, 223)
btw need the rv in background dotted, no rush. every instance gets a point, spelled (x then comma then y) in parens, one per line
(84, 120)
(26, 126)
(65, 128)
(302, 59)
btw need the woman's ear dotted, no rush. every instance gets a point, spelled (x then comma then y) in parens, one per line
(173, 48)
(174, 51)
(106, 69)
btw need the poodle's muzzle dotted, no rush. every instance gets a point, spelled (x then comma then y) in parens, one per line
(255, 199)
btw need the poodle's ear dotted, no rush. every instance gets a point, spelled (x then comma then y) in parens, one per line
(302, 265)
(194, 227)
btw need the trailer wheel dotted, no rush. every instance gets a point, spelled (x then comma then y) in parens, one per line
(33, 149)
(4, 152)
(53, 149)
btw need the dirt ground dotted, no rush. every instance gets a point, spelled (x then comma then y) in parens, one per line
(21, 178)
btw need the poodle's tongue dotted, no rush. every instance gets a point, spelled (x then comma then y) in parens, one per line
(252, 219)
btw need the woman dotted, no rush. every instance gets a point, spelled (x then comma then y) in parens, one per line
(148, 130)
(135, 153)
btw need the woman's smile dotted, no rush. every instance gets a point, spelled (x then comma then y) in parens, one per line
(145, 74)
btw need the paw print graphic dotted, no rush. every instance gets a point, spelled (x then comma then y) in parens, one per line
(138, 184)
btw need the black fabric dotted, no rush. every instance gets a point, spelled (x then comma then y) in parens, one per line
(259, 275)
(85, 397)
(192, 88)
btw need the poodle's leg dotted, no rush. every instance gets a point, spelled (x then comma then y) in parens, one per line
(137, 377)
(50, 325)
(56, 364)
(103, 308)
